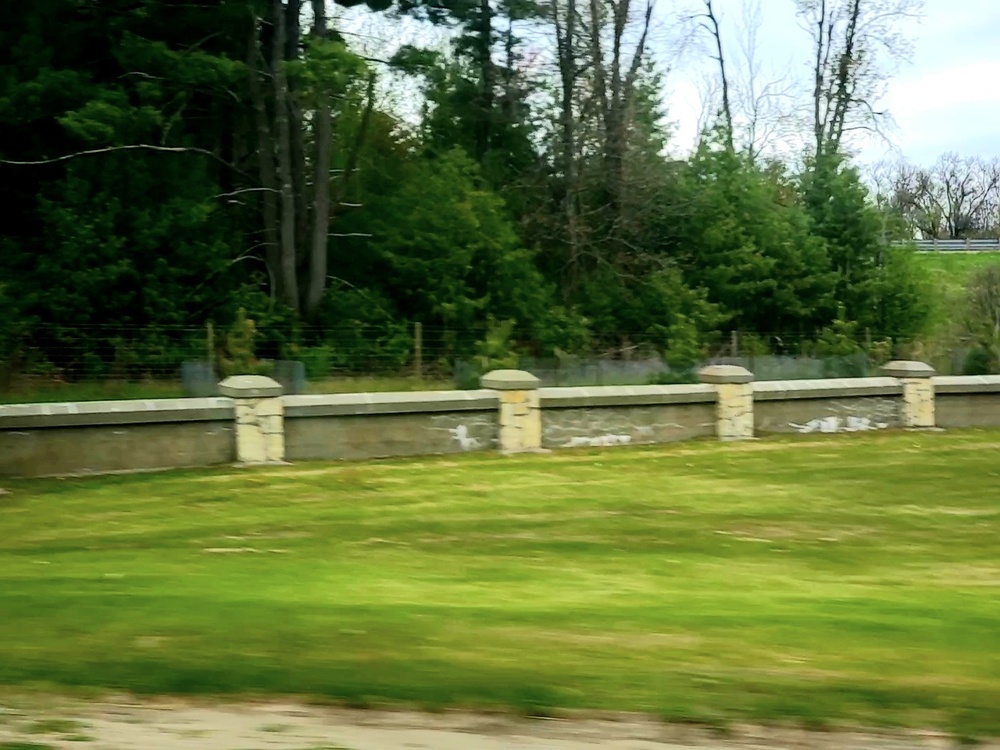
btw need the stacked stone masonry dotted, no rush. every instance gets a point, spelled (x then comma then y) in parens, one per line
(735, 411)
(260, 418)
(918, 404)
(734, 400)
(520, 409)
(520, 421)
(260, 433)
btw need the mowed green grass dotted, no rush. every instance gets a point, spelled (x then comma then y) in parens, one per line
(951, 272)
(845, 579)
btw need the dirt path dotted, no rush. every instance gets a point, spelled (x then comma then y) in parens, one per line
(42, 724)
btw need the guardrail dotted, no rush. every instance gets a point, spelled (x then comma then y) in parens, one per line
(966, 245)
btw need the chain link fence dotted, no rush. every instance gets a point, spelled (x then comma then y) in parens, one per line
(98, 362)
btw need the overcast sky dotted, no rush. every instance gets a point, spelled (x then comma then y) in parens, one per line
(946, 98)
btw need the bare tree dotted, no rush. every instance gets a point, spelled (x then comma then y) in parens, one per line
(966, 191)
(910, 193)
(955, 198)
(710, 23)
(762, 99)
(854, 43)
(751, 105)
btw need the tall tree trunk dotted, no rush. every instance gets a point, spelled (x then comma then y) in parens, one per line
(293, 50)
(484, 123)
(727, 109)
(290, 284)
(323, 136)
(265, 164)
(568, 71)
(819, 77)
(622, 89)
(844, 96)
(614, 150)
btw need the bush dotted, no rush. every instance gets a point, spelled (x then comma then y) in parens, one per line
(979, 362)
(318, 360)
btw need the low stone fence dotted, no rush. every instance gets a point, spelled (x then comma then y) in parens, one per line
(253, 423)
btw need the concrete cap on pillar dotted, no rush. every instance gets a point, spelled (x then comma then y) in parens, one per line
(510, 380)
(905, 369)
(725, 374)
(250, 386)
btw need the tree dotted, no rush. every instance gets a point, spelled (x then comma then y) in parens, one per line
(854, 41)
(615, 75)
(167, 162)
(448, 255)
(710, 23)
(867, 272)
(955, 198)
(966, 192)
(762, 99)
(745, 238)
(120, 236)
(286, 78)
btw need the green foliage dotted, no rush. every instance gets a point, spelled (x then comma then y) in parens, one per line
(448, 254)
(980, 361)
(112, 263)
(839, 339)
(745, 239)
(753, 345)
(239, 356)
(981, 317)
(881, 288)
(496, 350)
(318, 360)
(361, 333)
(880, 351)
(11, 343)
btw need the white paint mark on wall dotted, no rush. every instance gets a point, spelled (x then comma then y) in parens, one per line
(465, 440)
(598, 441)
(839, 424)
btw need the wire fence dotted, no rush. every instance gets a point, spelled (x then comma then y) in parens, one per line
(94, 362)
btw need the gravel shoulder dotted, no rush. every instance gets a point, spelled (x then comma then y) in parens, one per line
(43, 723)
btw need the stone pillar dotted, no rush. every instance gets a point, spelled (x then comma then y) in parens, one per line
(520, 411)
(918, 392)
(260, 423)
(734, 400)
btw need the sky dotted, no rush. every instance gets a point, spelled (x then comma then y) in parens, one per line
(945, 98)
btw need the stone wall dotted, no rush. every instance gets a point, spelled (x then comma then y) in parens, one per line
(623, 415)
(377, 425)
(967, 401)
(108, 436)
(257, 425)
(808, 406)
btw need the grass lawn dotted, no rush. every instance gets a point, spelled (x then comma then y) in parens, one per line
(951, 271)
(821, 580)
